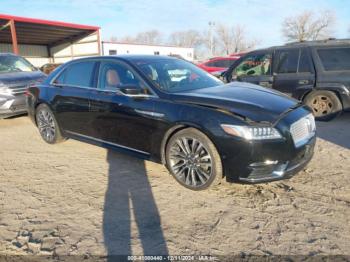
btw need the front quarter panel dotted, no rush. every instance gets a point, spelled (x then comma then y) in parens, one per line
(179, 115)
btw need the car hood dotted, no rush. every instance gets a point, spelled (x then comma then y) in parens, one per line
(14, 78)
(249, 101)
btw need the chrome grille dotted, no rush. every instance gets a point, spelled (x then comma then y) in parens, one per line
(303, 129)
(18, 90)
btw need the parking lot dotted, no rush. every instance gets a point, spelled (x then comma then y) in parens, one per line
(75, 198)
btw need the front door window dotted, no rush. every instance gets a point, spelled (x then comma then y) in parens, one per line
(114, 76)
(254, 65)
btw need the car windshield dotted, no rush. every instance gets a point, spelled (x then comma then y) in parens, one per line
(174, 75)
(12, 63)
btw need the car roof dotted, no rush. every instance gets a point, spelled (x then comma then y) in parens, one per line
(316, 43)
(127, 58)
(222, 58)
(7, 54)
(143, 57)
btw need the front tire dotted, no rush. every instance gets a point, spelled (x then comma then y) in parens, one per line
(325, 105)
(47, 125)
(193, 159)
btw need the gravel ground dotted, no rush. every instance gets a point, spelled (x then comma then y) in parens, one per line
(74, 198)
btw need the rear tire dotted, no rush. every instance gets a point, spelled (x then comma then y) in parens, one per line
(47, 125)
(325, 105)
(193, 159)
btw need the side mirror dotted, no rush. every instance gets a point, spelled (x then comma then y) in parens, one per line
(130, 90)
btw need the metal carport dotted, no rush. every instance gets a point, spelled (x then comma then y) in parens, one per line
(44, 41)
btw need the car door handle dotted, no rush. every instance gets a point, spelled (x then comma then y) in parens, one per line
(303, 82)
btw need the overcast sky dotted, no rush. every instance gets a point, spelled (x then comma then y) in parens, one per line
(261, 18)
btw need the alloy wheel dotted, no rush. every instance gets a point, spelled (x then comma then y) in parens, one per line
(190, 161)
(321, 105)
(46, 125)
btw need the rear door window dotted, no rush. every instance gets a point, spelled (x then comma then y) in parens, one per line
(305, 65)
(335, 59)
(78, 74)
(211, 64)
(227, 62)
(287, 61)
(221, 63)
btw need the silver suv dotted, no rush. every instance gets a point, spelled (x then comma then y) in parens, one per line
(16, 74)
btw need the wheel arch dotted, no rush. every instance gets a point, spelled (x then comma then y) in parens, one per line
(40, 102)
(176, 128)
(338, 90)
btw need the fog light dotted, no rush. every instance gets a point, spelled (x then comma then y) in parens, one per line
(265, 163)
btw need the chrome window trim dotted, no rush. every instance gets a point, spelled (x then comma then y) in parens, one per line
(107, 90)
(106, 142)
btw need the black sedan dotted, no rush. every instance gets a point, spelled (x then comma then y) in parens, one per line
(170, 111)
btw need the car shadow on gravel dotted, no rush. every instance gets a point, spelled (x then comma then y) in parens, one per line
(336, 131)
(129, 200)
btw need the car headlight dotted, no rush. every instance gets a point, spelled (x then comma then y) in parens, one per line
(252, 132)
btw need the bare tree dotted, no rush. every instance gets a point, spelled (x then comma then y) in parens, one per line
(149, 37)
(113, 39)
(124, 39)
(209, 41)
(307, 26)
(128, 39)
(189, 38)
(226, 37)
(233, 39)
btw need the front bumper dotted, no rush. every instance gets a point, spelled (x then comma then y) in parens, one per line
(12, 106)
(263, 161)
(277, 171)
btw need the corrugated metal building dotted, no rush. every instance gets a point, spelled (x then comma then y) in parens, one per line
(44, 41)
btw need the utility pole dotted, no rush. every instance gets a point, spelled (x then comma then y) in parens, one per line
(211, 35)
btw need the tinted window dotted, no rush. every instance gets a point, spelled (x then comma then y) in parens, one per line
(304, 62)
(334, 59)
(254, 65)
(112, 52)
(78, 74)
(287, 61)
(175, 75)
(211, 63)
(221, 63)
(225, 63)
(114, 75)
